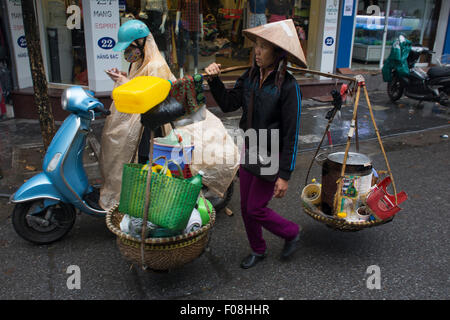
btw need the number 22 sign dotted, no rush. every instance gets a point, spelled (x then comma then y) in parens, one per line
(106, 43)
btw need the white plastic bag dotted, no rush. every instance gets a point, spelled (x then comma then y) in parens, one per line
(215, 153)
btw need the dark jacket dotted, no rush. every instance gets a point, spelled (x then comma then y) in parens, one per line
(273, 109)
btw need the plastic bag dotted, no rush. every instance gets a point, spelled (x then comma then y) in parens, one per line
(215, 153)
(172, 139)
(133, 226)
(167, 111)
(197, 116)
(194, 223)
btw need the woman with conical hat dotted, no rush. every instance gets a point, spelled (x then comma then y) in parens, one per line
(270, 99)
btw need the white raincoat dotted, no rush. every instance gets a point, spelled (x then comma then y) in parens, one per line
(122, 131)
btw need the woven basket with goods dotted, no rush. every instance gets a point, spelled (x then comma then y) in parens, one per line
(349, 201)
(165, 201)
(171, 201)
(336, 223)
(160, 253)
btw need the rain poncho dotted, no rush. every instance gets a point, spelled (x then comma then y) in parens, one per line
(397, 59)
(122, 131)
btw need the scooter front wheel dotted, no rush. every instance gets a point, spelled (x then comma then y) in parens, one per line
(43, 226)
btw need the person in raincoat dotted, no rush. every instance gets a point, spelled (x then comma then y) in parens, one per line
(271, 100)
(122, 132)
(397, 59)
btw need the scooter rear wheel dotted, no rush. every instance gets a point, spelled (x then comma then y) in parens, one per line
(217, 202)
(395, 89)
(47, 226)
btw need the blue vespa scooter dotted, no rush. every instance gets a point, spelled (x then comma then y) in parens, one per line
(45, 205)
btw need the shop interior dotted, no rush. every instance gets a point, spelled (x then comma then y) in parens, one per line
(223, 22)
(66, 50)
(416, 19)
(188, 50)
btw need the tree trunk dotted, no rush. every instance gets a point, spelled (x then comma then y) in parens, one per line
(41, 99)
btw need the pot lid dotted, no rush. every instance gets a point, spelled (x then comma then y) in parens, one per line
(355, 159)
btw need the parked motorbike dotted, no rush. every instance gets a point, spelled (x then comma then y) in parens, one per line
(46, 205)
(433, 85)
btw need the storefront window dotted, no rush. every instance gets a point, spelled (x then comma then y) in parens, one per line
(186, 48)
(415, 19)
(66, 51)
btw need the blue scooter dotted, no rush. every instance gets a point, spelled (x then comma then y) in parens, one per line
(45, 205)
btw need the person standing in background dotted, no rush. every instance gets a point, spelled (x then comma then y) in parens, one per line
(191, 14)
(280, 9)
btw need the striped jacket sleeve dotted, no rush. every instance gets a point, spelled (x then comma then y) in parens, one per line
(291, 107)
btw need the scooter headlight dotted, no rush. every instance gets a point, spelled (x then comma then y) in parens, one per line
(54, 162)
(65, 98)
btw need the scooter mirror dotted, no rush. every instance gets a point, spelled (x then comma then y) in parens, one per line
(76, 100)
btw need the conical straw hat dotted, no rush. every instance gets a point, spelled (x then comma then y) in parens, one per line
(281, 34)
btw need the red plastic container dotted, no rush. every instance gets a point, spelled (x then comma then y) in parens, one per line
(381, 203)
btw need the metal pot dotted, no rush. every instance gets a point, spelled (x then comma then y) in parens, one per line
(357, 164)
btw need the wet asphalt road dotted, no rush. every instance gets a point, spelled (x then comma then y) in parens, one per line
(412, 252)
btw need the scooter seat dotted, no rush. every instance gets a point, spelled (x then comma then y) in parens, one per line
(437, 72)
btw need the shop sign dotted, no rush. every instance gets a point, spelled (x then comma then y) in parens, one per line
(329, 36)
(348, 7)
(102, 23)
(22, 63)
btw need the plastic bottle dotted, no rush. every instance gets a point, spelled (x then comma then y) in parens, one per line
(202, 209)
(197, 179)
(342, 215)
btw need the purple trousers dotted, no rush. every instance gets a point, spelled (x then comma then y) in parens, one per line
(255, 195)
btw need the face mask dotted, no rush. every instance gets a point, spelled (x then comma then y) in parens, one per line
(132, 54)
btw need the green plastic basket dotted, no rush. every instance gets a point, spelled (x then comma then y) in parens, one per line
(172, 199)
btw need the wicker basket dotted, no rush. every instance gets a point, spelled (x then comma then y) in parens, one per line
(160, 253)
(336, 223)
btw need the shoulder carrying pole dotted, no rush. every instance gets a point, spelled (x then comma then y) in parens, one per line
(294, 69)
